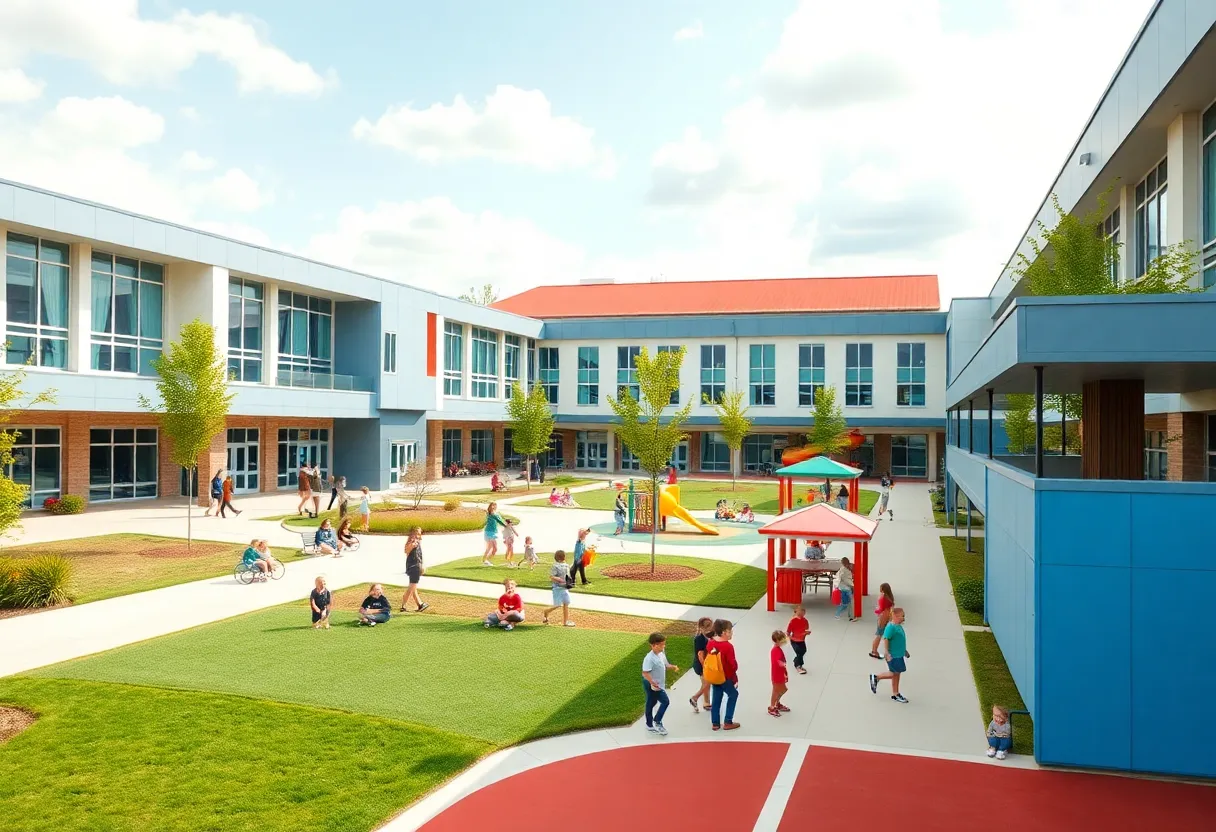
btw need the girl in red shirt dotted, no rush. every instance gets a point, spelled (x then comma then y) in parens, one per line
(886, 600)
(780, 674)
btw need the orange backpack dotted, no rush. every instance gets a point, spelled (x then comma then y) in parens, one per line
(712, 669)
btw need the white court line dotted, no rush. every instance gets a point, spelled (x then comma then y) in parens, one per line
(783, 786)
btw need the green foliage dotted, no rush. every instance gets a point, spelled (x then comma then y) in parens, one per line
(12, 402)
(995, 686)
(67, 504)
(40, 581)
(485, 296)
(10, 570)
(1020, 427)
(531, 420)
(1019, 422)
(393, 519)
(451, 504)
(732, 415)
(829, 430)
(565, 479)
(962, 565)
(969, 593)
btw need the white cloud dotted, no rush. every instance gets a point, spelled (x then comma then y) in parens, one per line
(16, 87)
(513, 125)
(189, 114)
(696, 30)
(127, 48)
(192, 160)
(233, 190)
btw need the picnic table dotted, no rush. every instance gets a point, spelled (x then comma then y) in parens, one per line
(795, 577)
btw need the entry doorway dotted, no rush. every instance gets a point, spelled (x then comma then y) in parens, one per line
(401, 455)
(244, 460)
(679, 457)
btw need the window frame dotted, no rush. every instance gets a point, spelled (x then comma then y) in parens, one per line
(711, 381)
(243, 358)
(548, 372)
(34, 497)
(108, 343)
(511, 344)
(675, 394)
(588, 377)
(627, 374)
(483, 352)
(453, 351)
(311, 362)
(1207, 197)
(389, 357)
(911, 384)
(905, 471)
(858, 392)
(135, 444)
(41, 336)
(1111, 232)
(1152, 204)
(767, 383)
(449, 439)
(1156, 455)
(812, 376)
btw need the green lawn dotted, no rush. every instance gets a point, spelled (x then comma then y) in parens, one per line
(117, 757)
(516, 489)
(963, 564)
(119, 564)
(945, 520)
(703, 495)
(721, 584)
(995, 686)
(398, 519)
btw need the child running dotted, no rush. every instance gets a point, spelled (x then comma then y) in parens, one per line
(844, 582)
(530, 558)
(886, 601)
(320, 599)
(560, 581)
(895, 650)
(798, 629)
(508, 539)
(780, 675)
(365, 508)
(654, 682)
(1000, 733)
(700, 643)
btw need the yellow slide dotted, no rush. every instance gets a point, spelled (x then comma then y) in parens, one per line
(669, 506)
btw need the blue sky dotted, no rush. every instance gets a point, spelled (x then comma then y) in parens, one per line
(772, 139)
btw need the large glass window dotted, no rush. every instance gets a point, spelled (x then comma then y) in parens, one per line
(36, 457)
(589, 375)
(453, 448)
(909, 455)
(244, 330)
(481, 445)
(36, 293)
(629, 462)
(127, 309)
(453, 358)
(1150, 217)
(305, 336)
(244, 459)
(390, 353)
(401, 455)
(531, 362)
(1110, 233)
(758, 451)
(627, 372)
(591, 449)
(811, 372)
(298, 446)
(858, 375)
(762, 374)
(910, 375)
(549, 372)
(512, 353)
(122, 463)
(483, 381)
(715, 453)
(1209, 197)
(713, 371)
(675, 394)
(554, 458)
(1211, 449)
(1156, 456)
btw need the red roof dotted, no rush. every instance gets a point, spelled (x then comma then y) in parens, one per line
(912, 293)
(822, 521)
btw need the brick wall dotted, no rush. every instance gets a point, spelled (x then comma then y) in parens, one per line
(882, 453)
(1186, 452)
(694, 452)
(569, 450)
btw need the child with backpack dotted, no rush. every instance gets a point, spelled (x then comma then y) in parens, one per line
(721, 670)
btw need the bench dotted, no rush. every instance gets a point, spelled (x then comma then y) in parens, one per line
(308, 543)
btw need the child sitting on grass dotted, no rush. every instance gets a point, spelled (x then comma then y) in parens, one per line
(1000, 733)
(747, 515)
(510, 608)
(321, 600)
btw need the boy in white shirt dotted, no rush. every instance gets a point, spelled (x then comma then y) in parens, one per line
(654, 682)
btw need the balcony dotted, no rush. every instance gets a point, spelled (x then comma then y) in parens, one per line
(288, 377)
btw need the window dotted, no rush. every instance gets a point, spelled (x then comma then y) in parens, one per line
(627, 372)
(811, 370)
(244, 459)
(510, 459)
(675, 394)
(36, 293)
(1212, 449)
(762, 376)
(1110, 233)
(589, 375)
(244, 330)
(758, 451)
(549, 372)
(481, 445)
(910, 375)
(483, 382)
(858, 375)
(127, 314)
(512, 353)
(591, 449)
(36, 456)
(453, 447)
(1209, 197)
(122, 463)
(453, 359)
(713, 371)
(1150, 217)
(715, 455)
(305, 337)
(629, 462)
(300, 445)
(554, 458)
(401, 455)
(1156, 456)
(531, 362)
(390, 352)
(909, 455)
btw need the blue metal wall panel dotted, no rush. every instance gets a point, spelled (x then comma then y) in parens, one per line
(743, 326)
(1009, 575)
(759, 421)
(968, 471)
(1070, 540)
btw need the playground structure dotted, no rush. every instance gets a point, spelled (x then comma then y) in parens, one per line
(641, 515)
(792, 456)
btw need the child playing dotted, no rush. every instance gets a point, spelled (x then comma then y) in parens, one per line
(654, 682)
(799, 628)
(530, 557)
(510, 608)
(365, 508)
(895, 649)
(560, 581)
(1000, 733)
(747, 515)
(320, 600)
(700, 643)
(508, 539)
(844, 582)
(780, 675)
(886, 601)
(813, 550)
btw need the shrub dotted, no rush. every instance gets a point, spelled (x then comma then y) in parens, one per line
(562, 479)
(41, 581)
(451, 504)
(9, 572)
(67, 504)
(970, 594)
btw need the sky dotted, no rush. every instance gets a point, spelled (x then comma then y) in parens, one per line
(453, 144)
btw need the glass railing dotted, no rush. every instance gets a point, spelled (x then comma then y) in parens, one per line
(287, 377)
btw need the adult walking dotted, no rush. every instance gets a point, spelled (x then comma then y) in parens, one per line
(304, 488)
(314, 484)
(226, 497)
(494, 521)
(827, 491)
(842, 499)
(619, 512)
(579, 568)
(333, 490)
(217, 494)
(728, 688)
(415, 569)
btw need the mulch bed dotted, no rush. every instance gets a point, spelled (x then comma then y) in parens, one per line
(430, 513)
(641, 572)
(475, 609)
(13, 721)
(178, 551)
(13, 612)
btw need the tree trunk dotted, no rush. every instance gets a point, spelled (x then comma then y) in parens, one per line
(654, 517)
(189, 506)
(528, 470)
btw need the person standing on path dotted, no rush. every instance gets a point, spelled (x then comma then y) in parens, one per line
(780, 674)
(560, 580)
(844, 583)
(304, 488)
(217, 494)
(314, 484)
(895, 650)
(886, 602)
(842, 499)
(333, 491)
(415, 569)
(226, 497)
(798, 629)
(619, 512)
(827, 491)
(579, 568)
(885, 484)
(494, 521)
(654, 682)
(671, 475)
(728, 688)
(343, 497)
(700, 643)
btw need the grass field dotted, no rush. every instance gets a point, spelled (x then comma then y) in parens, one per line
(994, 683)
(945, 520)
(962, 564)
(516, 489)
(703, 495)
(120, 564)
(721, 584)
(393, 518)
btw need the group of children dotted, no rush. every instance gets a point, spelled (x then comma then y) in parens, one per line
(725, 511)
(562, 499)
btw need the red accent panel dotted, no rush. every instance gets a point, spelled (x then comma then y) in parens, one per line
(432, 344)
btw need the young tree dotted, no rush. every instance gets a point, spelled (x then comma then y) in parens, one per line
(829, 431)
(192, 384)
(732, 415)
(12, 402)
(419, 481)
(651, 439)
(1019, 424)
(531, 419)
(484, 296)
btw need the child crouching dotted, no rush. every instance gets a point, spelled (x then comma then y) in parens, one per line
(1000, 733)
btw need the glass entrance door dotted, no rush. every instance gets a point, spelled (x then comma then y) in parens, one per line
(591, 450)
(679, 457)
(401, 455)
(243, 462)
